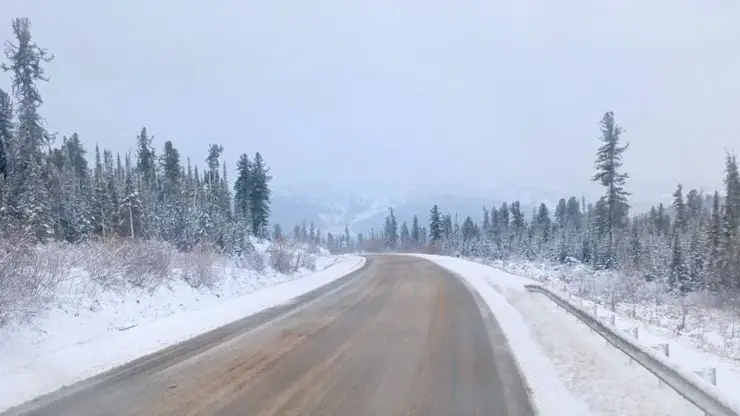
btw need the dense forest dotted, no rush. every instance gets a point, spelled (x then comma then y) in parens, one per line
(690, 245)
(48, 190)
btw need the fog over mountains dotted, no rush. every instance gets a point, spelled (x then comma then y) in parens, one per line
(331, 209)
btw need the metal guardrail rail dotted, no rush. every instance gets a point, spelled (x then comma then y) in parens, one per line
(691, 390)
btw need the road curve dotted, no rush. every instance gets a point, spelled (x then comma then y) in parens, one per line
(402, 336)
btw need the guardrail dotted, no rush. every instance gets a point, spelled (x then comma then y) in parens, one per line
(700, 396)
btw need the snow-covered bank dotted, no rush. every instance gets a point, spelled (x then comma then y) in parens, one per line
(596, 372)
(84, 335)
(709, 337)
(548, 390)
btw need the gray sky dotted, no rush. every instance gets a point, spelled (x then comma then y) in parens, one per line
(404, 94)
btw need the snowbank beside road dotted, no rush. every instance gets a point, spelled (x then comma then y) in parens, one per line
(593, 370)
(707, 340)
(548, 391)
(77, 340)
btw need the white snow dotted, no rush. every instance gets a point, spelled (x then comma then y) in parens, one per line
(82, 337)
(593, 370)
(548, 390)
(693, 354)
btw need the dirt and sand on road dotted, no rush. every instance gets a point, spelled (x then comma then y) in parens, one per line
(401, 336)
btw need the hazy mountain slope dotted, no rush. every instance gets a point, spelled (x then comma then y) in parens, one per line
(331, 210)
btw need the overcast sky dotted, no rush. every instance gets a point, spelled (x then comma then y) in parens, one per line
(403, 93)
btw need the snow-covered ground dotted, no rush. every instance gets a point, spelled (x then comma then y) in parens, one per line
(86, 332)
(570, 369)
(695, 350)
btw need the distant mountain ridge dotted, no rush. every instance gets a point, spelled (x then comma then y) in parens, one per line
(330, 210)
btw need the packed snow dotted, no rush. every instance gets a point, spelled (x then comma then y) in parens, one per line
(596, 372)
(700, 346)
(90, 331)
(566, 365)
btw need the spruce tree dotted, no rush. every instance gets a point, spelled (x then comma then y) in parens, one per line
(130, 209)
(447, 226)
(242, 191)
(681, 221)
(469, 232)
(415, 233)
(145, 165)
(6, 131)
(730, 241)
(714, 240)
(297, 233)
(347, 238)
(28, 198)
(608, 165)
(277, 233)
(436, 228)
(172, 207)
(100, 226)
(679, 276)
(259, 196)
(486, 221)
(390, 230)
(405, 236)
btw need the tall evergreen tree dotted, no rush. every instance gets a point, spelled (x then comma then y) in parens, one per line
(390, 230)
(714, 240)
(730, 241)
(242, 188)
(405, 236)
(6, 131)
(436, 228)
(259, 196)
(172, 204)
(415, 232)
(28, 198)
(608, 165)
(679, 275)
(130, 209)
(681, 222)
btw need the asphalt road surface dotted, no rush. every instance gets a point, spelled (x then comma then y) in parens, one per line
(401, 336)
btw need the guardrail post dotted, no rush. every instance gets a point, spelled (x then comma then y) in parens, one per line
(711, 375)
(666, 350)
(613, 320)
(635, 336)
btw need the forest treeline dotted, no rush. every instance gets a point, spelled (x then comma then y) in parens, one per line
(49, 191)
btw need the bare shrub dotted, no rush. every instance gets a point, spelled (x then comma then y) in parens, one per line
(197, 267)
(28, 278)
(119, 263)
(281, 257)
(307, 261)
(146, 264)
(255, 261)
(103, 262)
